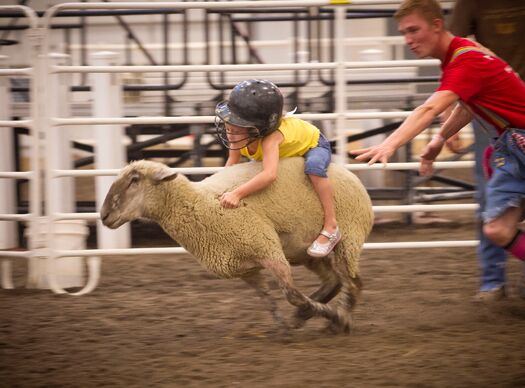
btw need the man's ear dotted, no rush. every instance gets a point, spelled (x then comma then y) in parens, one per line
(438, 24)
(164, 175)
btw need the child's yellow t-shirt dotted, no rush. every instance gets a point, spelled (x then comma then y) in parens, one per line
(299, 137)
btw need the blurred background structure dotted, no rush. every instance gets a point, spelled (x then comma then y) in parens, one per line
(95, 85)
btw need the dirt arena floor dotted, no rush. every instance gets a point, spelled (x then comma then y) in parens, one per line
(165, 322)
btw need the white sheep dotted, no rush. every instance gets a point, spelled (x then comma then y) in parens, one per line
(270, 230)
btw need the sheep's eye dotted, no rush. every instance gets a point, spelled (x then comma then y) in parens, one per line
(134, 179)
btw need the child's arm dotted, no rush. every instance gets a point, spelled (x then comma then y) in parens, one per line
(270, 148)
(234, 157)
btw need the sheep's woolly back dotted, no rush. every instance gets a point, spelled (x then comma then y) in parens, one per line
(294, 209)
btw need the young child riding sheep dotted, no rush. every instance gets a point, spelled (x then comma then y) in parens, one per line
(251, 124)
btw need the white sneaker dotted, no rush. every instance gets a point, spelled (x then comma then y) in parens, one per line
(322, 250)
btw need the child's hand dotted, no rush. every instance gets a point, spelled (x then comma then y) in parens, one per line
(230, 200)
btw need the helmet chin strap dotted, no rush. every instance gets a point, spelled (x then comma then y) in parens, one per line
(228, 144)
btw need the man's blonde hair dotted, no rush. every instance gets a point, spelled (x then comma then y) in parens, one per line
(429, 9)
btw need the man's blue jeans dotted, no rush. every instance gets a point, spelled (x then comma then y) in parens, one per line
(491, 257)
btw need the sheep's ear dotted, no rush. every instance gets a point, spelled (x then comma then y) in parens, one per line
(164, 175)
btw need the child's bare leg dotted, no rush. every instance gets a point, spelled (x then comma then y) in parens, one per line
(324, 190)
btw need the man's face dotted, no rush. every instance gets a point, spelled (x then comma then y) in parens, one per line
(421, 36)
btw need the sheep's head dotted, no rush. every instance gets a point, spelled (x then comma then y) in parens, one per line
(126, 197)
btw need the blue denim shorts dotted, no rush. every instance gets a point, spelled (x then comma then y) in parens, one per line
(317, 159)
(506, 187)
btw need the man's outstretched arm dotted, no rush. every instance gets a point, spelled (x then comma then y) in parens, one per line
(413, 125)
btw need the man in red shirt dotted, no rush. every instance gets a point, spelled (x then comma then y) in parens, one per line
(497, 25)
(485, 86)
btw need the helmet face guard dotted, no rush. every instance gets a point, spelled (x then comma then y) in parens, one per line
(252, 134)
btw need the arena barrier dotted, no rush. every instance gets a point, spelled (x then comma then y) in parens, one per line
(6, 177)
(45, 122)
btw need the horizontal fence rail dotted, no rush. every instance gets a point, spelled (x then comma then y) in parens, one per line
(16, 175)
(180, 250)
(211, 119)
(15, 217)
(16, 123)
(247, 67)
(212, 170)
(20, 71)
(376, 209)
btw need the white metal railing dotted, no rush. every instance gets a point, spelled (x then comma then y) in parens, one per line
(212, 170)
(210, 119)
(15, 217)
(34, 186)
(22, 71)
(376, 209)
(245, 67)
(51, 12)
(17, 174)
(41, 123)
(6, 280)
(179, 250)
(382, 42)
(16, 123)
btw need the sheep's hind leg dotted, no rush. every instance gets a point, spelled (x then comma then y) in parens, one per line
(280, 269)
(347, 300)
(350, 292)
(257, 281)
(329, 288)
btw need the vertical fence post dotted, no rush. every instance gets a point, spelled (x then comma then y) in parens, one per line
(375, 178)
(8, 232)
(35, 228)
(110, 150)
(340, 84)
(60, 193)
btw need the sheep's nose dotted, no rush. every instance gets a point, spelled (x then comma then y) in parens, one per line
(104, 215)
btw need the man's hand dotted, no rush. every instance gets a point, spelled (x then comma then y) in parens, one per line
(381, 153)
(230, 200)
(429, 154)
(454, 144)
(426, 168)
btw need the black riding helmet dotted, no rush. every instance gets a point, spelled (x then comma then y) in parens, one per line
(255, 104)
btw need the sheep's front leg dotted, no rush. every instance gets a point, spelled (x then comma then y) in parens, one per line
(257, 281)
(280, 269)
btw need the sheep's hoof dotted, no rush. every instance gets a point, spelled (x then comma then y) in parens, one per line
(297, 323)
(285, 336)
(341, 325)
(280, 332)
(302, 314)
(281, 328)
(335, 329)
